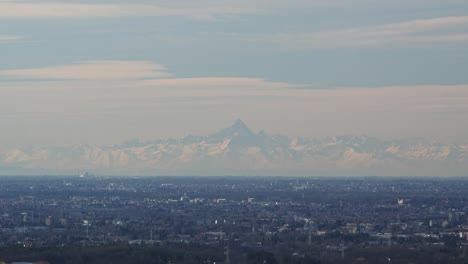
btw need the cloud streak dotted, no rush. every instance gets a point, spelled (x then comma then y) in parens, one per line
(6, 38)
(435, 30)
(199, 10)
(38, 10)
(142, 74)
(93, 70)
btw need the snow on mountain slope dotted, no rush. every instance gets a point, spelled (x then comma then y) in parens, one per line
(237, 150)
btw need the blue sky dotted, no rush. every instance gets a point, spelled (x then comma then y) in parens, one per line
(154, 69)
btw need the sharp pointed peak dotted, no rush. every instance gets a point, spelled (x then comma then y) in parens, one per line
(236, 129)
(239, 123)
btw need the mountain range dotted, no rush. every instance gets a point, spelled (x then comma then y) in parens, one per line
(237, 150)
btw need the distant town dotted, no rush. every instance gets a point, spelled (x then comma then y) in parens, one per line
(233, 220)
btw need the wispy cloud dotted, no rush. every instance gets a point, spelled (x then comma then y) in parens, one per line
(444, 29)
(154, 81)
(143, 74)
(216, 82)
(93, 70)
(5, 38)
(29, 10)
(200, 9)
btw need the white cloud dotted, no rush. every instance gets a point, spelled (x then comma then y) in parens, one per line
(216, 82)
(93, 70)
(26, 10)
(444, 29)
(143, 74)
(200, 9)
(5, 38)
(203, 9)
(152, 78)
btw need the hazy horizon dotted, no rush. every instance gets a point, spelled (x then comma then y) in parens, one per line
(239, 151)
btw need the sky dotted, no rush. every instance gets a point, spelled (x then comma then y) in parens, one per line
(102, 72)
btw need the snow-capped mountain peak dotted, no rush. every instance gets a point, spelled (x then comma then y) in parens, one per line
(237, 129)
(237, 150)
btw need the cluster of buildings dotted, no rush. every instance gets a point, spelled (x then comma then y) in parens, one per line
(322, 217)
